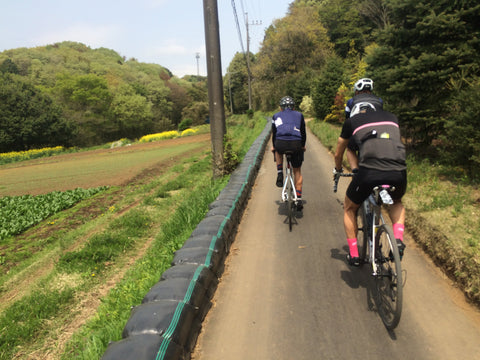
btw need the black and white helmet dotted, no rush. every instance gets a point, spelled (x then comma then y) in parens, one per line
(287, 102)
(362, 107)
(363, 84)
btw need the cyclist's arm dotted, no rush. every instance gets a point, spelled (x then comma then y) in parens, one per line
(303, 131)
(274, 133)
(341, 146)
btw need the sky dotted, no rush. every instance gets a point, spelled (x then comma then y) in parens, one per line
(166, 32)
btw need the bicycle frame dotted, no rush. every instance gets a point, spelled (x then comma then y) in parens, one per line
(289, 182)
(383, 254)
(373, 205)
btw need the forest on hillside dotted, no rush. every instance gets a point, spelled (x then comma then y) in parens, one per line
(422, 55)
(71, 95)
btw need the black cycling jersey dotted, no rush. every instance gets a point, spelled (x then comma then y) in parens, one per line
(365, 98)
(376, 134)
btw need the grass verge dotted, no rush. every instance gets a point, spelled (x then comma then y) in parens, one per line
(117, 249)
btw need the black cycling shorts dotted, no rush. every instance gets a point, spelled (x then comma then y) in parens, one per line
(366, 179)
(282, 146)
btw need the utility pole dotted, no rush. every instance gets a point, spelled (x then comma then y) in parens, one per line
(248, 61)
(198, 67)
(215, 85)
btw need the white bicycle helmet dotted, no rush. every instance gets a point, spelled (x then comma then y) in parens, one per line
(363, 84)
(361, 107)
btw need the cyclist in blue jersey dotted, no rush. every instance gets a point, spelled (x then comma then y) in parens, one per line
(289, 134)
(363, 93)
(375, 134)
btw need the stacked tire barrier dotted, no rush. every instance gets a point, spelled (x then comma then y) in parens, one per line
(167, 323)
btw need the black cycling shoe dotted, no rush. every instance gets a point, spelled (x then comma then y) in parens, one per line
(401, 248)
(280, 179)
(299, 205)
(353, 261)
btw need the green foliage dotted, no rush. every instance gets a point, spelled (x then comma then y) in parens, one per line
(294, 48)
(185, 124)
(197, 111)
(8, 66)
(236, 83)
(29, 317)
(131, 113)
(103, 96)
(461, 141)
(426, 45)
(346, 26)
(28, 117)
(21, 212)
(231, 159)
(104, 247)
(325, 86)
(306, 106)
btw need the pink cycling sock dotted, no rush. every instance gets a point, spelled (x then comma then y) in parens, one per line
(398, 230)
(352, 244)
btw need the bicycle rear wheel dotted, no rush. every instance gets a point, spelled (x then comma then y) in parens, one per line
(362, 241)
(388, 280)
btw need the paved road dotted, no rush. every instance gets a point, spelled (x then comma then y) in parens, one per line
(292, 296)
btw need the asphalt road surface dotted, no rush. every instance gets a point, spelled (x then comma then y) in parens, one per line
(291, 295)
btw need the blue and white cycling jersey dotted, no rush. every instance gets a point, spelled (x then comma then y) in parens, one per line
(289, 125)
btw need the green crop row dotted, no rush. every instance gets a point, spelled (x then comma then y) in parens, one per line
(18, 213)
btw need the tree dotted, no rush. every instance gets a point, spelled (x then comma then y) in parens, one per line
(426, 45)
(325, 86)
(345, 26)
(236, 84)
(131, 114)
(461, 141)
(296, 44)
(29, 118)
(8, 66)
(197, 112)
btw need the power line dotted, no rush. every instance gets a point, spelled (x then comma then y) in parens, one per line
(238, 25)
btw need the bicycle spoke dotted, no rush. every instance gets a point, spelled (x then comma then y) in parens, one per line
(365, 234)
(389, 278)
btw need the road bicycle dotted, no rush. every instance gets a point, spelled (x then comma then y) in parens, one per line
(378, 247)
(289, 193)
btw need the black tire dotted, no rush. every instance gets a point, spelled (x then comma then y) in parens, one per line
(389, 285)
(362, 239)
(291, 205)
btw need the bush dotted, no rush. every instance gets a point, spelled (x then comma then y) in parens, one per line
(462, 135)
(185, 124)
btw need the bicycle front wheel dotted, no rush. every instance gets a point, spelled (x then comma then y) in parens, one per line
(388, 280)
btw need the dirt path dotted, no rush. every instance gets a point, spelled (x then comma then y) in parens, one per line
(292, 296)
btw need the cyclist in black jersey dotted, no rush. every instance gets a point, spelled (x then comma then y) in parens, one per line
(363, 90)
(375, 134)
